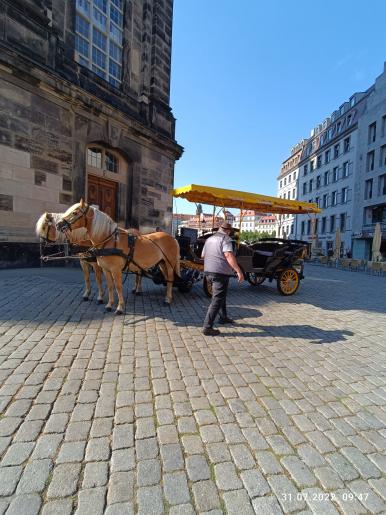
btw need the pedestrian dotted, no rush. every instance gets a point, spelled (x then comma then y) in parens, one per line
(219, 265)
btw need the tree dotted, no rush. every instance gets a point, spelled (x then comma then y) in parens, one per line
(199, 209)
(256, 235)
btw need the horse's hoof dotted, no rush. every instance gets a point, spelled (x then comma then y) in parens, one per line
(138, 293)
(100, 301)
(166, 303)
(107, 308)
(134, 291)
(119, 312)
(85, 298)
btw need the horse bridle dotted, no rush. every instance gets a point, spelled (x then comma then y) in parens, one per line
(66, 222)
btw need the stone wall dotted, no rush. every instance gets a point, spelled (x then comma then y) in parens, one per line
(43, 160)
(51, 109)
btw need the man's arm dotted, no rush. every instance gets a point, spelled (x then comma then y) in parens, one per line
(229, 256)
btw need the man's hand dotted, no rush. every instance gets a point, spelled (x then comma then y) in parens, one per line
(229, 256)
(240, 275)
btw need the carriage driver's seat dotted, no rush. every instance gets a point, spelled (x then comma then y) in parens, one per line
(260, 258)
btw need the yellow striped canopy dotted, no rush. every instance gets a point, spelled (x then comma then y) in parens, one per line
(242, 200)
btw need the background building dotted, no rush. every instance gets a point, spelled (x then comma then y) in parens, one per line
(179, 220)
(254, 222)
(370, 177)
(268, 224)
(203, 222)
(326, 176)
(248, 221)
(342, 168)
(84, 112)
(287, 182)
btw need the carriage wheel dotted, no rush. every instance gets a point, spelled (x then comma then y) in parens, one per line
(207, 285)
(254, 279)
(288, 281)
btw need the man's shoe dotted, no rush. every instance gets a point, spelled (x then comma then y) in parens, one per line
(226, 321)
(209, 331)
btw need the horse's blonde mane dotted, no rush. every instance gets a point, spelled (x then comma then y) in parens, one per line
(75, 236)
(40, 224)
(102, 224)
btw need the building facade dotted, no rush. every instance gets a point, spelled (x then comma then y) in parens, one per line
(248, 221)
(255, 222)
(203, 222)
(342, 168)
(268, 224)
(287, 182)
(179, 220)
(326, 177)
(370, 178)
(84, 112)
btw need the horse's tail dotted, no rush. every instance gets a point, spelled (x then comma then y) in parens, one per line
(177, 268)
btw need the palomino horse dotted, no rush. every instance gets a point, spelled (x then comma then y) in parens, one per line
(117, 251)
(46, 230)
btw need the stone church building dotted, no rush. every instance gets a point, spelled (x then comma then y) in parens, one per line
(84, 112)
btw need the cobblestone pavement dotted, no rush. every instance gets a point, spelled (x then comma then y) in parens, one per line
(284, 412)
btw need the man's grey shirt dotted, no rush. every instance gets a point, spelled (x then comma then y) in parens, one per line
(213, 253)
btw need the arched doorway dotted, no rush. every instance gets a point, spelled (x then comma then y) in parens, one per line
(106, 179)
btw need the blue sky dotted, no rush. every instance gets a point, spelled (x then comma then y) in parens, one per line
(251, 78)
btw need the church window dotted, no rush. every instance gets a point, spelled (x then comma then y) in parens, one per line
(99, 36)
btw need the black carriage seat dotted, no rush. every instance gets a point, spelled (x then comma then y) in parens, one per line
(186, 251)
(245, 250)
(260, 258)
(283, 250)
(269, 254)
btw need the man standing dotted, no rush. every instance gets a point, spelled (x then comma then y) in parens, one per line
(219, 264)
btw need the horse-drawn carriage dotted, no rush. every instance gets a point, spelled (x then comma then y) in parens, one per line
(269, 258)
(158, 256)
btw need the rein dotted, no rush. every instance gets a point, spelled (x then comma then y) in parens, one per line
(114, 233)
(51, 243)
(81, 252)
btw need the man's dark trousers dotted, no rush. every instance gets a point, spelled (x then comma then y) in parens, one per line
(219, 294)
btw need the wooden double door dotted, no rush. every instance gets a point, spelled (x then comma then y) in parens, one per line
(103, 193)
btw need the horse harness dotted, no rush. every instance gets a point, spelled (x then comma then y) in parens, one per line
(65, 225)
(95, 252)
(50, 223)
(129, 259)
(79, 248)
(92, 253)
